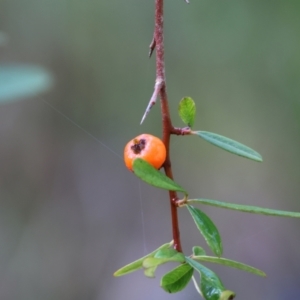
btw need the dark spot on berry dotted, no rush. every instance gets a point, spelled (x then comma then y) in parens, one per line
(138, 145)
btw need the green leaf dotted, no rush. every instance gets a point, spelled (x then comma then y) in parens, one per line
(211, 286)
(247, 208)
(138, 264)
(150, 272)
(153, 261)
(227, 295)
(230, 263)
(166, 253)
(161, 258)
(197, 251)
(208, 229)
(187, 111)
(177, 279)
(149, 174)
(229, 145)
(18, 81)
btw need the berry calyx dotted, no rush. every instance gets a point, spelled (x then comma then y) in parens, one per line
(147, 147)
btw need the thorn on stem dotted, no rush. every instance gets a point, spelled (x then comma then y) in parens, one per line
(151, 103)
(157, 87)
(152, 47)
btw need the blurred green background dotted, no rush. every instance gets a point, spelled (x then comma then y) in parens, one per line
(71, 213)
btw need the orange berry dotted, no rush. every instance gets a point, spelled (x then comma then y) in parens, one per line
(145, 146)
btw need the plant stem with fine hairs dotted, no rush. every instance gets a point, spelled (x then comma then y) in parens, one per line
(168, 129)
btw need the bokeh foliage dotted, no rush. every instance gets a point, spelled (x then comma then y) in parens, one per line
(61, 214)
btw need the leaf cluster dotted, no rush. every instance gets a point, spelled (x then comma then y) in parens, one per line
(209, 285)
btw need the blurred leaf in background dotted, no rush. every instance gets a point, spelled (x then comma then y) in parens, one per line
(20, 81)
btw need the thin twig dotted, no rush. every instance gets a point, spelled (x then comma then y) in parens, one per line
(166, 119)
(181, 131)
(168, 129)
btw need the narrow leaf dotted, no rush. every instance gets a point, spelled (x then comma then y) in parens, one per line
(166, 253)
(187, 111)
(161, 257)
(177, 279)
(208, 229)
(230, 263)
(138, 264)
(229, 145)
(197, 251)
(210, 286)
(247, 208)
(154, 262)
(149, 174)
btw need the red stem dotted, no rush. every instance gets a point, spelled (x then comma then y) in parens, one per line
(168, 129)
